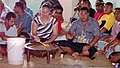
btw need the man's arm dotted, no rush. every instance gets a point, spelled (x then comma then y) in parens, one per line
(96, 34)
(4, 37)
(94, 40)
(110, 43)
(34, 27)
(70, 35)
(103, 30)
(108, 38)
(54, 34)
(20, 29)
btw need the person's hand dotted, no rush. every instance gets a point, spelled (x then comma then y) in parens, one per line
(46, 42)
(36, 38)
(106, 47)
(20, 29)
(112, 48)
(2, 33)
(70, 35)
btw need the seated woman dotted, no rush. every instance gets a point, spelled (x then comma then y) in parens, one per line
(44, 27)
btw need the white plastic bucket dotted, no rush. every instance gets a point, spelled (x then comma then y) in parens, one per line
(15, 48)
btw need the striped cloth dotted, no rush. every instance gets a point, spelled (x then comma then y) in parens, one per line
(45, 31)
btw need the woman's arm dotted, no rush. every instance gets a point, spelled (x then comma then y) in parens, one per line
(54, 34)
(34, 27)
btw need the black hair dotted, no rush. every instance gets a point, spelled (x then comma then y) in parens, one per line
(84, 8)
(58, 7)
(99, 2)
(117, 8)
(112, 54)
(10, 15)
(23, 1)
(27, 36)
(109, 3)
(47, 4)
(19, 4)
(88, 2)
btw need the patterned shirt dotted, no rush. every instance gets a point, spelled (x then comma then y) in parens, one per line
(115, 29)
(45, 31)
(84, 34)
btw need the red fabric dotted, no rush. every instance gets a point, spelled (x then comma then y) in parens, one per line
(98, 15)
(59, 24)
(118, 40)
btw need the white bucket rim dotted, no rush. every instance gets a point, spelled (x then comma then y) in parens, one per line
(16, 38)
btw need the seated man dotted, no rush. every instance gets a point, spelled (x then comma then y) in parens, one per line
(107, 20)
(75, 49)
(113, 46)
(57, 13)
(86, 3)
(7, 30)
(83, 30)
(112, 39)
(26, 8)
(23, 19)
(99, 5)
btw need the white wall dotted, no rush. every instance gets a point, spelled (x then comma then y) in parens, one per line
(116, 3)
(33, 4)
(68, 5)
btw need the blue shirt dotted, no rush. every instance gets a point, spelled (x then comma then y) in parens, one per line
(89, 31)
(25, 20)
(30, 11)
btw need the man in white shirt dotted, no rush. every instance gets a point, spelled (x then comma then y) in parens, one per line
(8, 29)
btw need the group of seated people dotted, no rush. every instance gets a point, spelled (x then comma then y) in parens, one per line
(83, 36)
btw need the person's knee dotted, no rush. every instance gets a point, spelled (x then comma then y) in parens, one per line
(67, 49)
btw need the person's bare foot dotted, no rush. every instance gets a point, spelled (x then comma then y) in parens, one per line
(75, 54)
(104, 52)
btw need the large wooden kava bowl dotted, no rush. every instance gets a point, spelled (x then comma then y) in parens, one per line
(38, 50)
